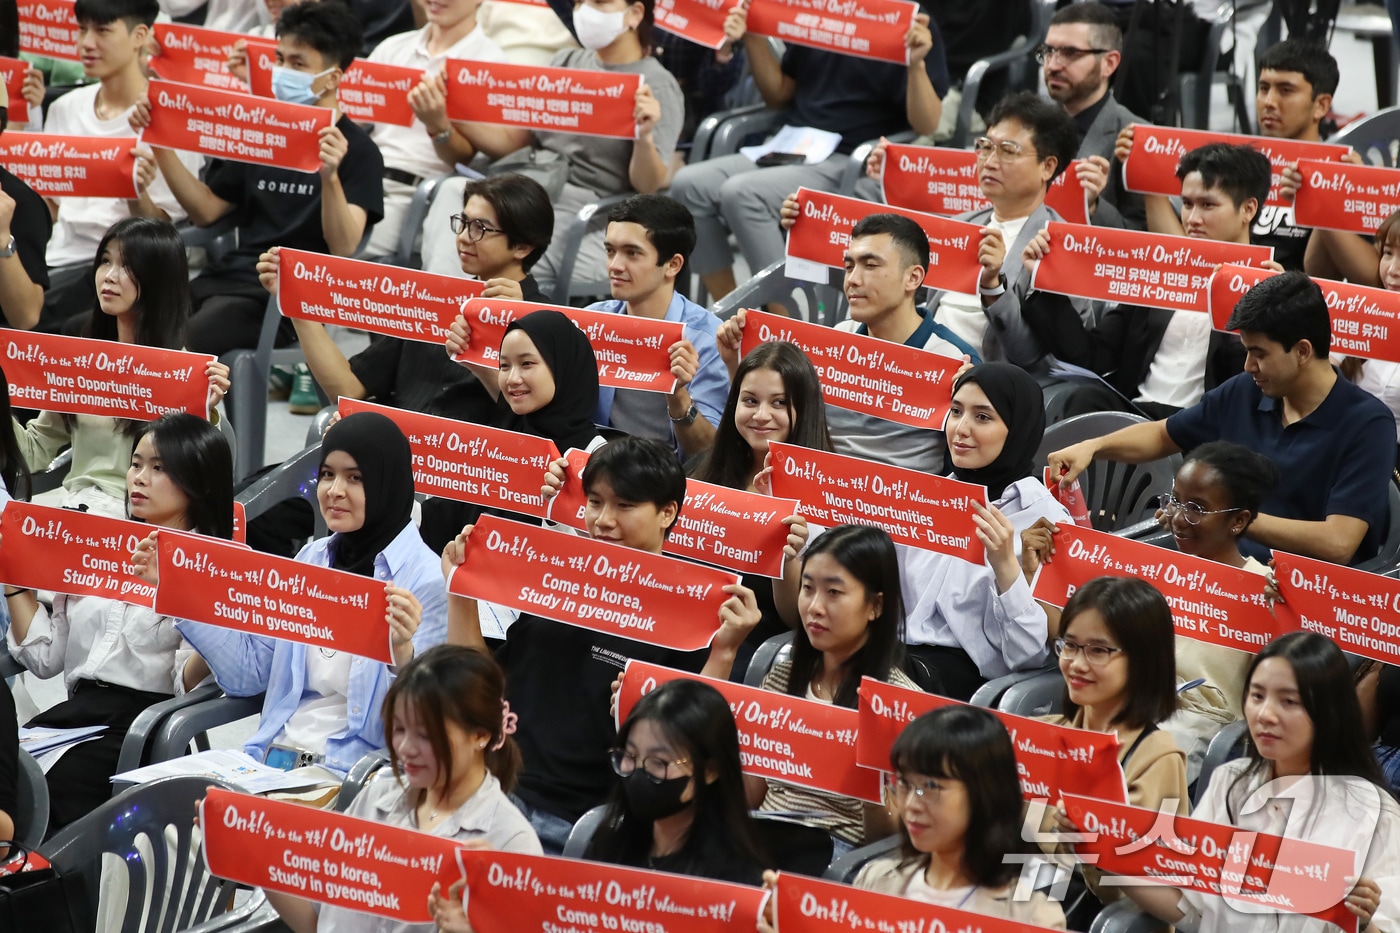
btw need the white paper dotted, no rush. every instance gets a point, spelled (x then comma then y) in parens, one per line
(235, 767)
(806, 270)
(48, 759)
(816, 145)
(40, 739)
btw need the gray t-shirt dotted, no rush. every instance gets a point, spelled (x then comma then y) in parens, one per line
(642, 414)
(600, 164)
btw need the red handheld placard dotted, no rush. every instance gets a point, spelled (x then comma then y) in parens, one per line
(559, 100)
(71, 166)
(377, 92)
(67, 551)
(866, 28)
(195, 55)
(230, 125)
(48, 28)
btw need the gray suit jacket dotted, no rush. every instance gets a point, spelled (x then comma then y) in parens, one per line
(1118, 207)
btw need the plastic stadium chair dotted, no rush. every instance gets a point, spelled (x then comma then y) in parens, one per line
(1018, 61)
(582, 833)
(820, 304)
(31, 802)
(1228, 744)
(1123, 916)
(1387, 559)
(844, 868)
(295, 478)
(1026, 684)
(590, 217)
(423, 196)
(1376, 137)
(363, 771)
(778, 648)
(1194, 87)
(165, 730)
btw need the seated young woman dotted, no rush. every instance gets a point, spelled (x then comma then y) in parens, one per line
(1308, 773)
(852, 627)
(117, 658)
(322, 706)
(451, 763)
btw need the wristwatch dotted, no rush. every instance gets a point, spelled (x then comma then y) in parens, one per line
(996, 290)
(689, 417)
(9, 249)
(440, 138)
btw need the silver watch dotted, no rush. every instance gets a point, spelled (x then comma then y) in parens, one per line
(9, 249)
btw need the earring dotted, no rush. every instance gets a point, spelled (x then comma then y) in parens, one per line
(483, 744)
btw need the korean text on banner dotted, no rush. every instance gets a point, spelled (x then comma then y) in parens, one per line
(1365, 321)
(595, 585)
(1210, 601)
(818, 240)
(1347, 197)
(195, 55)
(377, 92)
(71, 166)
(48, 28)
(1148, 269)
(560, 100)
(916, 509)
(783, 737)
(1151, 166)
(12, 72)
(865, 28)
(81, 376)
(506, 891)
(1269, 872)
(471, 462)
(944, 181)
(72, 552)
(220, 583)
(875, 377)
(807, 905)
(700, 21)
(1360, 611)
(325, 856)
(231, 125)
(406, 303)
(632, 352)
(1050, 759)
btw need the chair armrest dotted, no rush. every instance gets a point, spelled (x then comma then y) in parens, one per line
(174, 735)
(1142, 531)
(423, 196)
(150, 718)
(53, 475)
(360, 772)
(972, 84)
(989, 694)
(704, 134)
(732, 133)
(1039, 694)
(9, 667)
(844, 868)
(587, 215)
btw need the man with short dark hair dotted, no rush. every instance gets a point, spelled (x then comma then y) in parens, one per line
(1331, 441)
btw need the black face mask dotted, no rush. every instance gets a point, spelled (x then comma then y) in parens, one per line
(651, 801)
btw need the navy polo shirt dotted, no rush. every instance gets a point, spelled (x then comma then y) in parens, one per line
(1336, 461)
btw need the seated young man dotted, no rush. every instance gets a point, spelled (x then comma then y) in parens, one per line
(1331, 440)
(323, 212)
(648, 239)
(112, 38)
(25, 225)
(559, 677)
(1156, 360)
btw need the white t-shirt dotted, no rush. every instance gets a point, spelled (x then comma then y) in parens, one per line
(322, 710)
(82, 221)
(228, 15)
(961, 312)
(1177, 374)
(408, 148)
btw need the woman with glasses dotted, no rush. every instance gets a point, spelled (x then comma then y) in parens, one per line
(959, 801)
(678, 803)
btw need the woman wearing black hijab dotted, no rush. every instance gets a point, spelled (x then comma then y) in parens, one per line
(547, 383)
(322, 706)
(969, 622)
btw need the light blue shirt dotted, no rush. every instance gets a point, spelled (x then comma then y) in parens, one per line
(246, 665)
(709, 390)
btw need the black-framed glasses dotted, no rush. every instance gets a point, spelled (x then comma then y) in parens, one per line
(1192, 512)
(928, 791)
(476, 229)
(1008, 150)
(655, 768)
(1065, 53)
(1096, 655)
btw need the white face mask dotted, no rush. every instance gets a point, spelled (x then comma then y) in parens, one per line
(596, 29)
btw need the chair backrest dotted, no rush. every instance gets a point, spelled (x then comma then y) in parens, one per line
(582, 833)
(1041, 694)
(844, 868)
(1375, 137)
(778, 648)
(1388, 557)
(808, 301)
(1118, 494)
(294, 479)
(1228, 744)
(365, 770)
(139, 861)
(31, 802)
(1123, 916)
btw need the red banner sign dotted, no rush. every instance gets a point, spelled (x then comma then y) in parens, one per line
(48, 28)
(1149, 269)
(240, 523)
(1360, 611)
(916, 509)
(700, 21)
(12, 72)
(405, 303)
(100, 377)
(563, 895)
(325, 856)
(72, 166)
(807, 905)
(67, 551)
(1151, 166)
(560, 100)
(1347, 197)
(875, 377)
(1210, 601)
(595, 585)
(262, 56)
(944, 181)
(1277, 872)
(782, 737)
(1362, 317)
(471, 462)
(195, 55)
(632, 352)
(220, 583)
(231, 125)
(863, 28)
(377, 92)
(818, 240)
(1051, 760)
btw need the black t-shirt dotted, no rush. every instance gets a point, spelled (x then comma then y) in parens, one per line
(856, 97)
(30, 227)
(9, 752)
(559, 680)
(282, 207)
(1274, 227)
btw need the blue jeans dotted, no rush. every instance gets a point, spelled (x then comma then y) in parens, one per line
(553, 831)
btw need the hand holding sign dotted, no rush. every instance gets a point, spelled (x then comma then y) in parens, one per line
(729, 341)
(447, 912)
(919, 40)
(429, 102)
(334, 146)
(646, 112)
(1093, 178)
(991, 253)
(403, 614)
